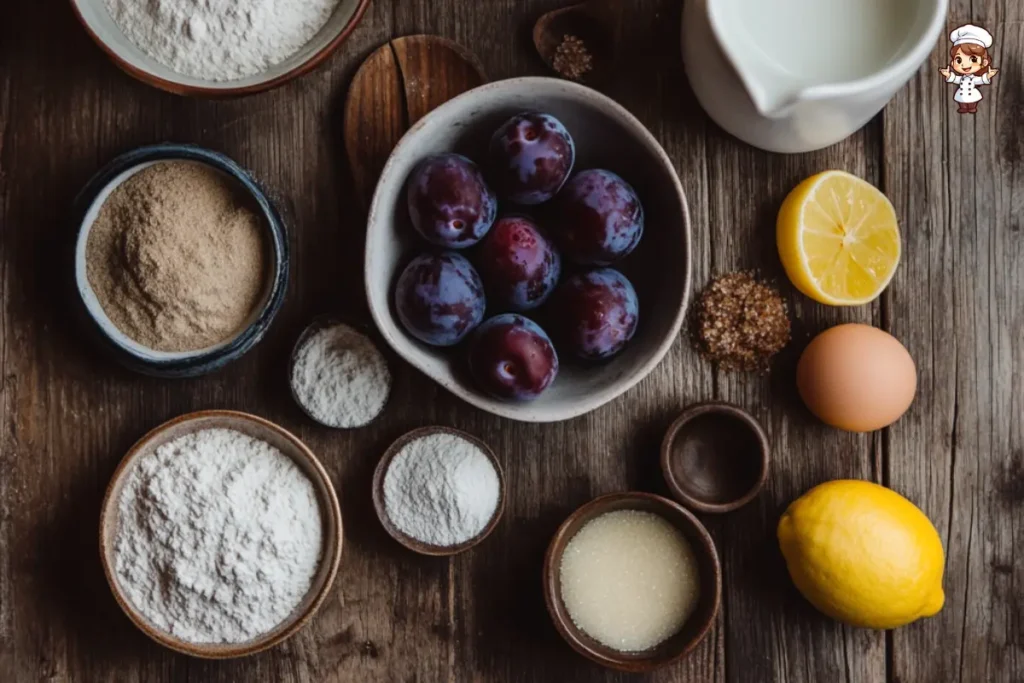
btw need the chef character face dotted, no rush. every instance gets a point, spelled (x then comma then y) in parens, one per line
(969, 58)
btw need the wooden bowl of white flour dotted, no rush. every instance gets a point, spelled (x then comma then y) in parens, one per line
(220, 534)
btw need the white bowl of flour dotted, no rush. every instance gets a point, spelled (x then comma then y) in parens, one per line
(218, 47)
(220, 534)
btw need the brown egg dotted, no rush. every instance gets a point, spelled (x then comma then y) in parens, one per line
(856, 377)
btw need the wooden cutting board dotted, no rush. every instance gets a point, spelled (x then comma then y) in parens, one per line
(394, 88)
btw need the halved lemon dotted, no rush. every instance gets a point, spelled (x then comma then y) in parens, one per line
(838, 239)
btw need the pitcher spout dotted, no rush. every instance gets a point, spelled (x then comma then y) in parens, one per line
(773, 90)
(774, 104)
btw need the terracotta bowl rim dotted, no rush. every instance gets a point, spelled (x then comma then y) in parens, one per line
(296, 620)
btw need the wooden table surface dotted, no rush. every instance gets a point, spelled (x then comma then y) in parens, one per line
(957, 302)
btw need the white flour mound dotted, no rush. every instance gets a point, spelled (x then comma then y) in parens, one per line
(340, 377)
(220, 537)
(441, 489)
(220, 40)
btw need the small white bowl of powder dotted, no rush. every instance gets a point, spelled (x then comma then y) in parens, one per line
(220, 534)
(218, 47)
(439, 491)
(338, 376)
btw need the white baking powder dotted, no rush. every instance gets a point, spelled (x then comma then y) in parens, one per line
(340, 377)
(220, 40)
(441, 489)
(219, 539)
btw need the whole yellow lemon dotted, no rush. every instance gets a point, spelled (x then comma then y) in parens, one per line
(863, 554)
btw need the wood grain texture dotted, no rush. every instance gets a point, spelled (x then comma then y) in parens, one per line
(68, 415)
(395, 87)
(957, 181)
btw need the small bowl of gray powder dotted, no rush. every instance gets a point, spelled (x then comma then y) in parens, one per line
(181, 261)
(439, 491)
(338, 376)
(218, 47)
(220, 534)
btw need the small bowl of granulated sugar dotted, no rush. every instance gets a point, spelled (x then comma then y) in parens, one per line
(220, 534)
(439, 491)
(181, 261)
(218, 47)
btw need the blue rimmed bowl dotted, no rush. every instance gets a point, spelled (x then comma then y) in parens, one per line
(118, 345)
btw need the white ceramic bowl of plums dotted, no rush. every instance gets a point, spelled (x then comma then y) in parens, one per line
(528, 248)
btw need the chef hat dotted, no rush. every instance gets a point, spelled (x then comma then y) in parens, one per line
(969, 33)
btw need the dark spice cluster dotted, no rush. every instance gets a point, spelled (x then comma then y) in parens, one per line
(572, 59)
(741, 322)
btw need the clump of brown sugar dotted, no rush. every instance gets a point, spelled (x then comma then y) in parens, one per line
(176, 257)
(741, 322)
(572, 59)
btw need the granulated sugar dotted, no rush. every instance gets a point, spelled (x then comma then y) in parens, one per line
(629, 579)
(220, 537)
(220, 40)
(441, 489)
(340, 377)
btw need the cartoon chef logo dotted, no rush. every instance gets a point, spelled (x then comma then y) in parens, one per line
(970, 66)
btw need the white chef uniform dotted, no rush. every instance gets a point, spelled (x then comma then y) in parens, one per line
(968, 90)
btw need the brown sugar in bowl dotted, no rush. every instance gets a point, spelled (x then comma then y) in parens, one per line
(696, 627)
(304, 459)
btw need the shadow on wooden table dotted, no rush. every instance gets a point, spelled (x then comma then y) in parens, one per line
(71, 587)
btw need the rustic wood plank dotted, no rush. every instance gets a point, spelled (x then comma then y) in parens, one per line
(68, 415)
(7, 644)
(958, 184)
(72, 414)
(375, 119)
(772, 634)
(501, 631)
(397, 85)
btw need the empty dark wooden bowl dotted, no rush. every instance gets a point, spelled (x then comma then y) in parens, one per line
(715, 457)
(415, 544)
(695, 628)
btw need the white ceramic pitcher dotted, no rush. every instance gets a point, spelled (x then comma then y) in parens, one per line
(799, 75)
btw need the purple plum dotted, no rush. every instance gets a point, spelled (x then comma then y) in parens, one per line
(449, 203)
(530, 158)
(599, 218)
(439, 298)
(595, 313)
(519, 265)
(511, 357)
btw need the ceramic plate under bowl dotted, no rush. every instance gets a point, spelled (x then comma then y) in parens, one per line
(607, 136)
(127, 351)
(130, 58)
(289, 445)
